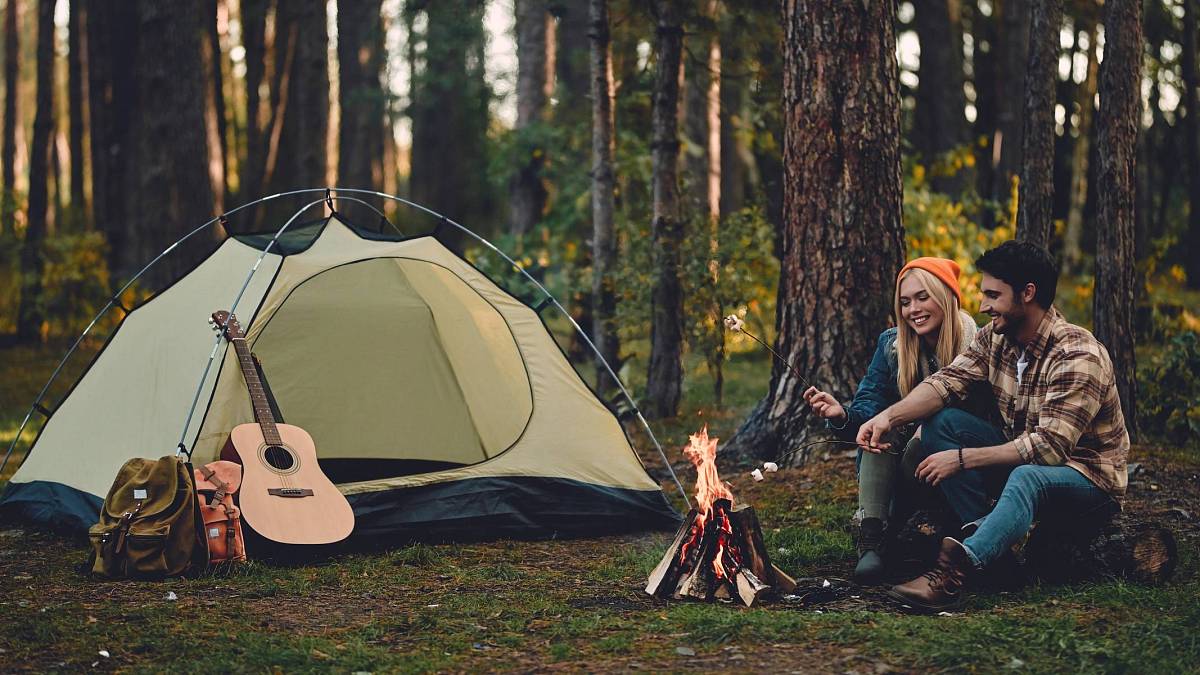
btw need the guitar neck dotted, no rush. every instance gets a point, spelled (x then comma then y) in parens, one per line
(258, 396)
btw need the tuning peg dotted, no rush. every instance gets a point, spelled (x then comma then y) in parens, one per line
(212, 321)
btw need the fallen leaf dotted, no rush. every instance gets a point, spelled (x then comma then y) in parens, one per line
(685, 651)
(92, 619)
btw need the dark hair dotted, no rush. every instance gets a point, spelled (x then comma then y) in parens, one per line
(1018, 263)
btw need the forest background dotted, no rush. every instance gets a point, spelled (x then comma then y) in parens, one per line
(645, 161)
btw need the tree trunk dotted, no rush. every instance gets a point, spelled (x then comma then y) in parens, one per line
(1086, 101)
(361, 96)
(76, 87)
(664, 380)
(526, 193)
(1191, 78)
(1117, 125)
(843, 240)
(571, 61)
(296, 154)
(214, 105)
(983, 64)
(1007, 139)
(112, 94)
(169, 183)
(1035, 219)
(604, 241)
(939, 121)
(8, 198)
(254, 26)
(31, 313)
(449, 117)
(734, 84)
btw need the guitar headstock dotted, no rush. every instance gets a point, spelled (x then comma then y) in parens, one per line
(226, 324)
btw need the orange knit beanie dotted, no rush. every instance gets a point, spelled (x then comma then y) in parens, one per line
(945, 270)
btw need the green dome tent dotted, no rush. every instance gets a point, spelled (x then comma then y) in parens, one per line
(440, 404)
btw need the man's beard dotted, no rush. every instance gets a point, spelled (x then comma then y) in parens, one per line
(1014, 319)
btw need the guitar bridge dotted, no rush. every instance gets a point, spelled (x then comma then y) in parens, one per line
(289, 492)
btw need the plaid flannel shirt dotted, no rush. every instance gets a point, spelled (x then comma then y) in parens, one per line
(1065, 411)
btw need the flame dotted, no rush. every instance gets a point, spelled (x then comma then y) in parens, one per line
(702, 451)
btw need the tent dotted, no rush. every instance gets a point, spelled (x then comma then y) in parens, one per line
(440, 404)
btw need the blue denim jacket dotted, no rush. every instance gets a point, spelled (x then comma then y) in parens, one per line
(876, 391)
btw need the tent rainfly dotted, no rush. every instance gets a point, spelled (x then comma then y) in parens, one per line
(441, 406)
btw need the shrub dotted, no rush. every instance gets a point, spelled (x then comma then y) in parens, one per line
(1169, 392)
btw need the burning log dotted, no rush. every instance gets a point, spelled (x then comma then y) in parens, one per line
(718, 551)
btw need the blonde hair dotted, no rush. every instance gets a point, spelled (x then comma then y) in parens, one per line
(908, 343)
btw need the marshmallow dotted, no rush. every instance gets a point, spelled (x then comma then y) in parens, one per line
(770, 467)
(757, 473)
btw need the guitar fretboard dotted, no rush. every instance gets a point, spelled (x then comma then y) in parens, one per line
(258, 396)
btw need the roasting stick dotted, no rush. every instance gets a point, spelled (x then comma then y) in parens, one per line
(735, 323)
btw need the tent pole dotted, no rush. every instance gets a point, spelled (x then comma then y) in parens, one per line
(135, 277)
(394, 198)
(232, 312)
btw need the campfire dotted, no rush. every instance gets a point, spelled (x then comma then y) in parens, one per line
(718, 552)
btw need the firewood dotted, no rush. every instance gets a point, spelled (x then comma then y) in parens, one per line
(665, 576)
(750, 542)
(783, 582)
(749, 587)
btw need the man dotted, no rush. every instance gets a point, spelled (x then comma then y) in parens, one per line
(1063, 446)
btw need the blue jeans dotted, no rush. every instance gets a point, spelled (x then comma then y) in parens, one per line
(1026, 492)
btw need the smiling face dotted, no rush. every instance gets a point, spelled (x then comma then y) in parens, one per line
(1004, 305)
(919, 309)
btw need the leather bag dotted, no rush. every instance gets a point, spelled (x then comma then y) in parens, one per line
(216, 484)
(149, 523)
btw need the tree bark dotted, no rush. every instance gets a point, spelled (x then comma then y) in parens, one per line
(735, 156)
(214, 105)
(31, 313)
(76, 88)
(1035, 219)
(571, 61)
(254, 20)
(296, 156)
(449, 117)
(1191, 78)
(8, 198)
(664, 381)
(604, 241)
(939, 121)
(1117, 125)
(361, 96)
(1012, 48)
(526, 193)
(169, 184)
(112, 95)
(1072, 248)
(842, 240)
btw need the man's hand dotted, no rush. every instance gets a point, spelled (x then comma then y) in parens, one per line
(938, 467)
(870, 435)
(824, 404)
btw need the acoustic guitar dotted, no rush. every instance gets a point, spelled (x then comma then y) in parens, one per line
(284, 495)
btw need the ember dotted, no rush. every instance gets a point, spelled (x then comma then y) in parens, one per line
(718, 552)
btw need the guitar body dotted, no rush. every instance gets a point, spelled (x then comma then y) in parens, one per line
(284, 495)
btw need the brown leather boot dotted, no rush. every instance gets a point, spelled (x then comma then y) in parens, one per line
(941, 587)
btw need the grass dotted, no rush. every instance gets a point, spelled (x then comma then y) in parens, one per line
(575, 605)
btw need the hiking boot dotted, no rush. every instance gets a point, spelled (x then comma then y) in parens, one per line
(870, 562)
(941, 587)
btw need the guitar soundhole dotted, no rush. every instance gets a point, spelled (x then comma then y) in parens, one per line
(279, 458)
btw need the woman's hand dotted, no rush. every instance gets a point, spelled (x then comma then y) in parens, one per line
(938, 467)
(824, 404)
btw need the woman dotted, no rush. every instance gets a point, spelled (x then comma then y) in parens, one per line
(931, 330)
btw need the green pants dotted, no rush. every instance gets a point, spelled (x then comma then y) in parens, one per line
(879, 476)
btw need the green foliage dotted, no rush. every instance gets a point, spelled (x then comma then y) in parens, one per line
(937, 224)
(1169, 391)
(75, 281)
